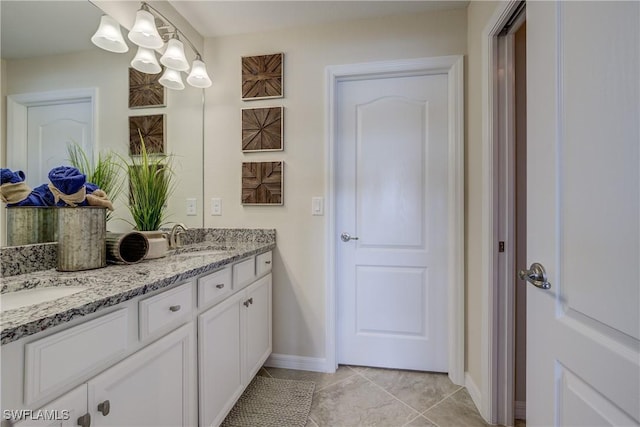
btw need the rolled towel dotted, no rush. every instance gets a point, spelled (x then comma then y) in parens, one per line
(68, 186)
(97, 197)
(40, 196)
(13, 189)
(9, 176)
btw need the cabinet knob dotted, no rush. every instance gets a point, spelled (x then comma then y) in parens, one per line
(246, 303)
(85, 420)
(104, 407)
(250, 300)
(220, 285)
(174, 308)
(267, 262)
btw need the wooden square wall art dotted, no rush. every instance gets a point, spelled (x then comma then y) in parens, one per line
(262, 76)
(262, 129)
(153, 131)
(262, 183)
(145, 90)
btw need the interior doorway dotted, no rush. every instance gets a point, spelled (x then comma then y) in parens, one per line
(451, 67)
(510, 219)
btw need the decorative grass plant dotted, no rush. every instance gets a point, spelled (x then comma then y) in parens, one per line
(106, 172)
(151, 182)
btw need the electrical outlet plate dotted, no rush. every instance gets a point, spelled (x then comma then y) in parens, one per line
(216, 206)
(192, 207)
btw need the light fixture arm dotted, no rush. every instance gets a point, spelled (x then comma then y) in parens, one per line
(183, 36)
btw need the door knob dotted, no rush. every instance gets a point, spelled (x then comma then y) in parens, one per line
(536, 275)
(345, 237)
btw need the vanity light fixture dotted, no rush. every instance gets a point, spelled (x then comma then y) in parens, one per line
(198, 76)
(171, 79)
(150, 31)
(145, 61)
(174, 57)
(109, 37)
(144, 32)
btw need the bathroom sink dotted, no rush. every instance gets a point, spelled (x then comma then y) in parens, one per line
(18, 299)
(204, 253)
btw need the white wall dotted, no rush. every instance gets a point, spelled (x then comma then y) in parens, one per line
(299, 263)
(109, 73)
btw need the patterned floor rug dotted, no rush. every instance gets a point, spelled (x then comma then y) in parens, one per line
(272, 402)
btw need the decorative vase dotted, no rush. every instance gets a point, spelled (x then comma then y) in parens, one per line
(158, 244)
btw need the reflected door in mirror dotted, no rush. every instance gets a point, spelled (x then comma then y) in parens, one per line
(50, 129)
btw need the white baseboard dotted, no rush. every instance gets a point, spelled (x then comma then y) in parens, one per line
(521, 410)
(474, 392)
(301, 363)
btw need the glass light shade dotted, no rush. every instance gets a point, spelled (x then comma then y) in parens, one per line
(109, 37)
(174, 56)
(171, 79)
(146, 62)
(198, 76)
(144, 32)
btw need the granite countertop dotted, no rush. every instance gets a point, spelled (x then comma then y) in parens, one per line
(106, 287)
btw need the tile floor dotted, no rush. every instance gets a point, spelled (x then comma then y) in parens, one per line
(357, 396)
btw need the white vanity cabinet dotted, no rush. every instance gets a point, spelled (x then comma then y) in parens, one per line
(220, 353)
(257, 326)
(234, 340)
(69, 410)
(155, 360)
(153, 387)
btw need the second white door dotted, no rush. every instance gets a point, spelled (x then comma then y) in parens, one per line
(391, 200)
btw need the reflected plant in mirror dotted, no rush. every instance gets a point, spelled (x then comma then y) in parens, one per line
(105, 172)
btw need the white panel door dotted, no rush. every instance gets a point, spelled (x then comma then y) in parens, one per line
(391, 194)
(583, 334)
(50, 129)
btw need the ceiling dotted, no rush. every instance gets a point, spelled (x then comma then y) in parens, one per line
(36, 28)
(221, 18)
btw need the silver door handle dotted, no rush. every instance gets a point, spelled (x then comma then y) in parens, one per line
(536, 275)
(345, 237)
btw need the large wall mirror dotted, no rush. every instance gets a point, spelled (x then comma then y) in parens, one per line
(47, 56)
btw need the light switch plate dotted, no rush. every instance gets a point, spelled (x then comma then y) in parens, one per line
(317, 206)
(216, 206)
(192, 207)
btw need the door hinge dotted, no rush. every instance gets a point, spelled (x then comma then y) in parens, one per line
(500, 246)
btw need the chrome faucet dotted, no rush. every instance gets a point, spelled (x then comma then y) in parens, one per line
(174, 236)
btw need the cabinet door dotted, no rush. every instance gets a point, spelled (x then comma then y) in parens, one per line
(153, 387)
(219, 357)
(258, 325)
(62, 412)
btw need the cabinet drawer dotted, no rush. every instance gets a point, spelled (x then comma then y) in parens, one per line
(166, 309)
(214, 287)
(244, 273)
(61, 359)
(263, 263)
